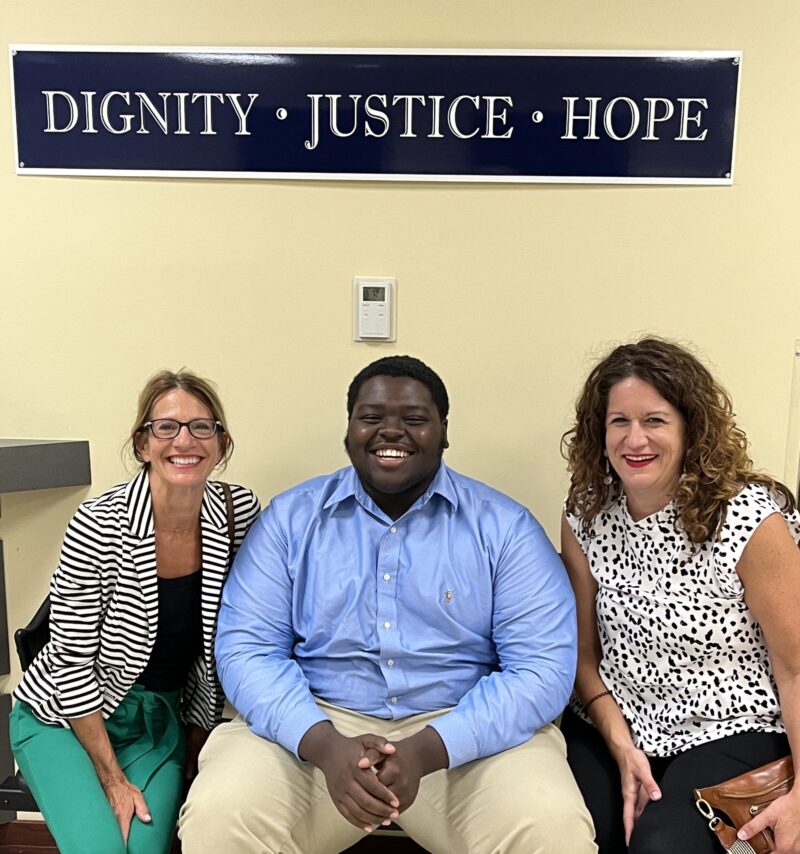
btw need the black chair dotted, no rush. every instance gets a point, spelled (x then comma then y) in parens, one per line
(30, 641)
(14, 793)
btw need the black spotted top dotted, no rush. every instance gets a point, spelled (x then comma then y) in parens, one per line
(681, 652)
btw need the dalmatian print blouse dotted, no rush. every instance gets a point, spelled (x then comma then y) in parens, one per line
(681, 653)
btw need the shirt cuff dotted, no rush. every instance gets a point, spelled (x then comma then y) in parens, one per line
(458, 738)
(291, 730)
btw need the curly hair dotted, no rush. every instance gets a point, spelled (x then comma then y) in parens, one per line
(716, 464)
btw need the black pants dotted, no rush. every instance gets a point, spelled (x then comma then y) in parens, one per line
(672, 824)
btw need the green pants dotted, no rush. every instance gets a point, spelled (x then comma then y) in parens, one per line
(150, 745)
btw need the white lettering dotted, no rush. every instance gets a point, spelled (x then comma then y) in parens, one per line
(492, 117)
(409, 111)
(572, 117)
(312, 143)
(683, 136)
(373, 113)
(451, 115)
(63, 111)
(242, 115)
(208, 130)
(608, 123)
(50, 96)
(652, 118)
(127, 118)
(436, 117)
(334, 115)
(181, 98)
(146, 103)
(88, 97)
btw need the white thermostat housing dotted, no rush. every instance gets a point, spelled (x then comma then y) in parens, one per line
(374, 315)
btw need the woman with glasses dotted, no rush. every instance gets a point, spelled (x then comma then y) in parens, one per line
(111, 715)
(686, 573)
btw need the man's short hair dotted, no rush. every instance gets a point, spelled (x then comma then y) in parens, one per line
(401, 366)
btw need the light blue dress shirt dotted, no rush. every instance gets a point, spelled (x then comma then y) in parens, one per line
(462, 602)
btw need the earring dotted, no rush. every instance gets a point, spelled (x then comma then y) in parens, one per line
(608, 479)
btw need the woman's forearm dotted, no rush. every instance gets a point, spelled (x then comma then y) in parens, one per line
(91, 733)
(604, 712)
(789, 695)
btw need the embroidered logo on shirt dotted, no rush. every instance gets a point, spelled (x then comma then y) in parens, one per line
(448, 597)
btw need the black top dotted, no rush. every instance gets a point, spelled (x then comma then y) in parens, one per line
(179, 639)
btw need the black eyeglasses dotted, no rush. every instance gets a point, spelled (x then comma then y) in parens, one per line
(168, 428)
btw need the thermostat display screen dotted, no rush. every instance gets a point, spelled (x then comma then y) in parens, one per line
(374, 294)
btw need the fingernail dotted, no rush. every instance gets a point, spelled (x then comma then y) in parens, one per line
(147, 817)
(395, 814)
(386, 823)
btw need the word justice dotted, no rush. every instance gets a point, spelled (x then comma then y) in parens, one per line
(464, 117)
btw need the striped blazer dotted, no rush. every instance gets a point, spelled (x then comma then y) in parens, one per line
(104, 605)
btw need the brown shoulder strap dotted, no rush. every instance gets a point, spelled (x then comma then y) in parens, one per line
(229, 511)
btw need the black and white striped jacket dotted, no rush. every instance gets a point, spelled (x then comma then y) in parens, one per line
(104, 605)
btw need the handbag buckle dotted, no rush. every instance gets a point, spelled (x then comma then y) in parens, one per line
(706, 810)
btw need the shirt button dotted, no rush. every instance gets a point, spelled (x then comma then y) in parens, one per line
(394, 699)
(386, 576)
(387, 625)
(393, 529)
(390, 662)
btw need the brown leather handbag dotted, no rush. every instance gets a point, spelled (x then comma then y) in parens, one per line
(742, 798)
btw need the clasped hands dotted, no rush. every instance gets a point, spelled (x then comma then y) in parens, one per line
(370, 780)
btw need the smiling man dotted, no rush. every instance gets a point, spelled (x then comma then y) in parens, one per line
(397, 639)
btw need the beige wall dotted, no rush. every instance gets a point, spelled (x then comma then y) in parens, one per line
(106, 280)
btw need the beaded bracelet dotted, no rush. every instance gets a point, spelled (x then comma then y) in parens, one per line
(596, 697)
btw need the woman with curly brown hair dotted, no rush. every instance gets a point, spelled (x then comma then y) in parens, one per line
(686, 571)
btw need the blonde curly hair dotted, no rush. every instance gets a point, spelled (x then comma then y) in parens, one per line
(716, 465)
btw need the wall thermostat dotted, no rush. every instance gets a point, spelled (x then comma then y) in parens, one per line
(374, 315)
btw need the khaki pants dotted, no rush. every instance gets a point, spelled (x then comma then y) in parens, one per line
(254, 797)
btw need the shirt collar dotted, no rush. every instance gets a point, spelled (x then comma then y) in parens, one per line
(350, 487)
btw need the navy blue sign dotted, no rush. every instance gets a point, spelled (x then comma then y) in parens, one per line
(367, 114)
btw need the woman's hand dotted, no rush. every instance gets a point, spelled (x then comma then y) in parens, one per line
(126, 802)
(638, 787)
(783, 816)
(125, 799)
